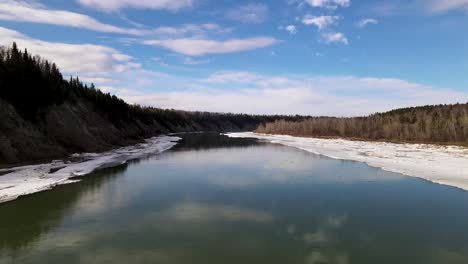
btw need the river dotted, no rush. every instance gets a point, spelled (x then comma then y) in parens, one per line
(213, 199)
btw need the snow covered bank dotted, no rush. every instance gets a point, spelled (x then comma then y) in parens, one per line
(446, 165)
(35, 178)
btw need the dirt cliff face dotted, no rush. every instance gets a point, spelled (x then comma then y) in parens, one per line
(72, 127)
(22, 141)
(60, 131)
(43, 116)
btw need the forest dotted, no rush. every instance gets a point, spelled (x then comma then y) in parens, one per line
(44, 115)
(32, 84)
(441, 124)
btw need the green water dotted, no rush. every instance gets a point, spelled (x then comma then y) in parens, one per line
(214, 200)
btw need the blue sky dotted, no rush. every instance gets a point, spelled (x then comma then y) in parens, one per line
(317, 57)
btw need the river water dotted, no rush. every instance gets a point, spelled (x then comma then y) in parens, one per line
(213, 200)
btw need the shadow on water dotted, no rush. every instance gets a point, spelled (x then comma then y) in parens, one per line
(33, 215)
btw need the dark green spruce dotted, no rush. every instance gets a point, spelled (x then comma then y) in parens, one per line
(43, 116)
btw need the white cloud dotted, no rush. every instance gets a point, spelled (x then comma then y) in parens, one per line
(439, 6)
(367, 21)
(331, 4)
(232, 77)
(402, 7)
(191, 29)
(34, 12)
(321, 22)
(100, 80)
(334, 37)
(198, 47)
(191, 61)
(290, 28)
(83, 59)
(316, 95)
(116, 5)
(251, 13)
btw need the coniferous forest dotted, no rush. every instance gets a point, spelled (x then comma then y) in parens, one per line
(44, 115)
(31, 84)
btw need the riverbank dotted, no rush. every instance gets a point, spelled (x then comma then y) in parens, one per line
(447, 165)
(26, 180)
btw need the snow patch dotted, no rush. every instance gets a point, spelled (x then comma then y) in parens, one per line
(35, 178)
(446, 165)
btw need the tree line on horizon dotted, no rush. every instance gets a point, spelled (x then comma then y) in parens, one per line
(32, 84)
(447, 124)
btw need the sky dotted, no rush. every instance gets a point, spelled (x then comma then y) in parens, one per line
(308, 57)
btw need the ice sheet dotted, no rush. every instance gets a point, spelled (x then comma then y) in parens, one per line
(446, 165)
(35, 178)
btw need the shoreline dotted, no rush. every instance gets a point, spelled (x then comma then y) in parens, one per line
(29, 179)
(434, 143)
(446, 165)
(69, 157)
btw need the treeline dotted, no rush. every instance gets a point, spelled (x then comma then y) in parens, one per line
(447, 124)
(44, 115)
(32, 84)
(29, 82)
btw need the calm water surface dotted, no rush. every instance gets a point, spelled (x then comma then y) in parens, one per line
(214, 200)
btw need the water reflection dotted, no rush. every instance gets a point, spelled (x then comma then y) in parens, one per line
(205, 141)
(29, 217)
(204, 212)
(230, 201)
(283, 165)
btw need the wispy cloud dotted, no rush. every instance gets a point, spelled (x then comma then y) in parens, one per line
(251, 13)
(34, 12)
(321, 22)
(83, 59)
(365, 22)
(198, 47)
(116, 5)
(191, 30)
(191, 61)
(289, 28)
(431, 7)
(335, 37)
(309, 95)
(440, 6)
(232, 77)
(330, 4)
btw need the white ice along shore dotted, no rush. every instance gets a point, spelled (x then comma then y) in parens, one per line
(35, 178)
(446, 165)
